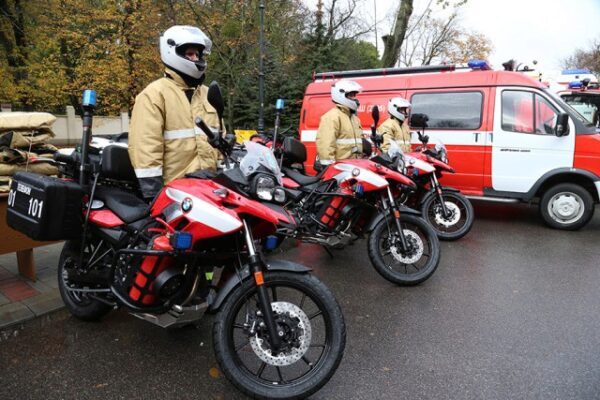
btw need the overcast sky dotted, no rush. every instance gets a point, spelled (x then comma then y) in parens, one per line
(542, 30)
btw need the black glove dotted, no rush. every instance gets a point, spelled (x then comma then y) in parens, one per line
(150, 187)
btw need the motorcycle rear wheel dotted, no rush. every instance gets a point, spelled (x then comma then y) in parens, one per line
(458, 224)
(78, 304)
(301, 304)
(410, 267)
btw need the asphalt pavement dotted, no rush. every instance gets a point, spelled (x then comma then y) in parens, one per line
(511, 313)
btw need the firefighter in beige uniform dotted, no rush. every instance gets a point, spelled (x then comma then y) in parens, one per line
(340, 135)
(395, 128)
(164, 142)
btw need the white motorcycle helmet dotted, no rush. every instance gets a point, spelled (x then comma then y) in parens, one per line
(173, 43)
(395, 105)
(340, 90)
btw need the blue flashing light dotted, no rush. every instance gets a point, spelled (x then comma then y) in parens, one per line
(89, 98)
(481, 65)
(359, 190)
(279, 104)
(271, 242)
(181, 240)
(575, 85)
(576, 71)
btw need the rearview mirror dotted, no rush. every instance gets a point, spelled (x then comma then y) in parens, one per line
(375, 115)
(215, 98)
(562, 125)
(419, 120)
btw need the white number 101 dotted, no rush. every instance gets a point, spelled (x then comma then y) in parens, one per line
(35, 208)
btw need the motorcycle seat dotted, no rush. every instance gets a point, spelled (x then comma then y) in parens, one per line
(300, 178)
(126, 205)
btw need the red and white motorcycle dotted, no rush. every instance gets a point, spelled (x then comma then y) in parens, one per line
(448, 211)
(278, 331)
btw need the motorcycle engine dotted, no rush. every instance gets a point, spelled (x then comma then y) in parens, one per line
(148, 280)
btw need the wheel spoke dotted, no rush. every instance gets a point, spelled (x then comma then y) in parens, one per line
(238, 326)
(318, 345)
(302, 301)
(261, 369)
(308, 362)
(281, 380)
(241, 346)
(316, 314)
(274, 291)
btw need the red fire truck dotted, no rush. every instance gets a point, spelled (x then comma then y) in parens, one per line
(508, 136)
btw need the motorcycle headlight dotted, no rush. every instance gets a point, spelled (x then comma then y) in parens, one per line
(443, 156)
(264, 186)
(279, 195)
(401, 165)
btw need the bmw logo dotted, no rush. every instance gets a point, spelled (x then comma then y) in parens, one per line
(186, 204)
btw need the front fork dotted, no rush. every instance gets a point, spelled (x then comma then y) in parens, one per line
(395, 211)
(438, 190)
(256, 268)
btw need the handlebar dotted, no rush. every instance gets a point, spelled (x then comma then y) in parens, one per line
(64, 158)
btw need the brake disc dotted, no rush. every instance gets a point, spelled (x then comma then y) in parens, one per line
(452, 219)
(294, 353)
(416, 248)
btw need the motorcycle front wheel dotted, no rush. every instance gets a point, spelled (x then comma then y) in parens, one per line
(411, 265)
(460, 216)
(310, 324)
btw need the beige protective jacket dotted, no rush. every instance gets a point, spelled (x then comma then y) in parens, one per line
(164, 142)
(339, 136)
(391, 129)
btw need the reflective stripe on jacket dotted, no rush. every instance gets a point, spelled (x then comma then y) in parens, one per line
(391, 129)
(164, 143)
(339, 136)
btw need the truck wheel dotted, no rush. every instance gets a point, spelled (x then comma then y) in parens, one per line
(567, 206)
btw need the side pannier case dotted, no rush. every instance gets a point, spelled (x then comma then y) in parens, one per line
(45, 208)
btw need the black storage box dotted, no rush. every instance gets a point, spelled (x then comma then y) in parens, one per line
(294, 151)
(45, 208)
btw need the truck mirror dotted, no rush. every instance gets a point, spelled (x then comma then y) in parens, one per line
(419, 120)
(562, 125)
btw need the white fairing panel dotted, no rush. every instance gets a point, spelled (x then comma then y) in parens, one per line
(206, 213)
(520, 159)
(419, 164)
(364, 175)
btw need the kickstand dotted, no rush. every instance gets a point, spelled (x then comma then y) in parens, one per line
(327, 250)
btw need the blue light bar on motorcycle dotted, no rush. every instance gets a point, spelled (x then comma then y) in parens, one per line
(279, 104)
(575, 85)
(480, 65)
(89, 98)
(181, 240)
(575, 71)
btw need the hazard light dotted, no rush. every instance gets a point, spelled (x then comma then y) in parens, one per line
(480, 65)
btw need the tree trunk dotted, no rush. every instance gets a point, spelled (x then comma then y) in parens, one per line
(393, 43)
